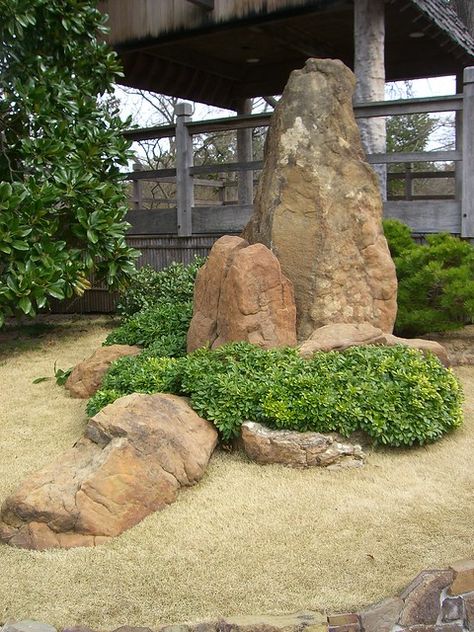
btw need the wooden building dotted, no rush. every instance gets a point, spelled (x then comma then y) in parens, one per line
(221, 52)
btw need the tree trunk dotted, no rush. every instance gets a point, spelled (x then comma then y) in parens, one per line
(465, 10)
(369, 68)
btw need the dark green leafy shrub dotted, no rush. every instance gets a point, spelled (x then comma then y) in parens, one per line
(149, 287)
(62, 194)
(395, 394)
(435, 285)
(136, 374)
(165, 326)
(398, 237)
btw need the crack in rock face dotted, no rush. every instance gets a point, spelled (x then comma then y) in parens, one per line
(318, 205)
(134, 457)
(241, 294)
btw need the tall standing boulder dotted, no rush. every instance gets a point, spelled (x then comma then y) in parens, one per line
(318, 205)
(241, 294)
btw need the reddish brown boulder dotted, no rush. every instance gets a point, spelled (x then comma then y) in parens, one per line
(134, 457)
(318, 205)
(241, 294)
(87, 376)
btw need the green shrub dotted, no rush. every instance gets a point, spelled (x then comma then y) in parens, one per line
(136, 374)
(174, 284)
(435, 286)
(395, 394)
(163, 326)
(398, 237)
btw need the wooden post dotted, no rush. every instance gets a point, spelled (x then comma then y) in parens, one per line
(184, 161)
(137, 189)
(458, 166)
(245, 154)
(369, 69)
(408, 181)
(467, 204)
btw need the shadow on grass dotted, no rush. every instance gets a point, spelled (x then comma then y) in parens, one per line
(19, 336)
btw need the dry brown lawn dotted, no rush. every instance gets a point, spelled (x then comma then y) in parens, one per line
(248, 539)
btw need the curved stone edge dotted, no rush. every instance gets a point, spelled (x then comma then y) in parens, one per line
(435, 601)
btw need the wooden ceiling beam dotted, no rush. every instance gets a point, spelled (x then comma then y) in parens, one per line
(207, 5)
(199, 61)
(293, 38)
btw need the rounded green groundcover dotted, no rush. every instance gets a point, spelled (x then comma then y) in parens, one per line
(397, 395)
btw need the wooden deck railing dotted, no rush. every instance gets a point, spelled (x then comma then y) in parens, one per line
(186, 218)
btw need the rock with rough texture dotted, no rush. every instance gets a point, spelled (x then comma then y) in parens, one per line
(452, 609)
(422, 598)
(28, 625)
(241, 294)
(340, 336)
(383, 616)
(318, 205)
(463, 577)
(135, 455)
(87, 376)
(425, 346)
(297, 449)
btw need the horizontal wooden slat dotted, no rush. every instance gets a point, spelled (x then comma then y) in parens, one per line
(205, 219)
(150, 133)
(430, 216)
(423, 175)
(409, 106)
(452, 103)
(152, 222)
(227, 219)
(227, 167)
(168, 175)
(419, 156)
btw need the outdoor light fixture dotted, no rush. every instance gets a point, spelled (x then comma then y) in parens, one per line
(416, 35)
(252, 60)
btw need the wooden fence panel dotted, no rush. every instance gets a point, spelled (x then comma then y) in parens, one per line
(157, 251)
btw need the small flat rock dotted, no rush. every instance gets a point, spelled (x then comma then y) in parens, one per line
(87, 376)
(463, 577)
(340, 336)
(469, 611)
(297, 449)
(422, 598)
(280, 622)
(28, 625)
(129, 628)
(452, 609)
(381, 617)
(425, 346)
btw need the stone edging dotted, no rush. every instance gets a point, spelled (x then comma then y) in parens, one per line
(435, 601)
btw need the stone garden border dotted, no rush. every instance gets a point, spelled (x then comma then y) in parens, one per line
(435, 601)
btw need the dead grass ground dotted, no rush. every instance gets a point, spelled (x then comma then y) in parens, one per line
(248, 539)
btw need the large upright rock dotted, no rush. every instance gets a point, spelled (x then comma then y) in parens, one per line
(241, 294)
(134, 457)
(318, 205)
